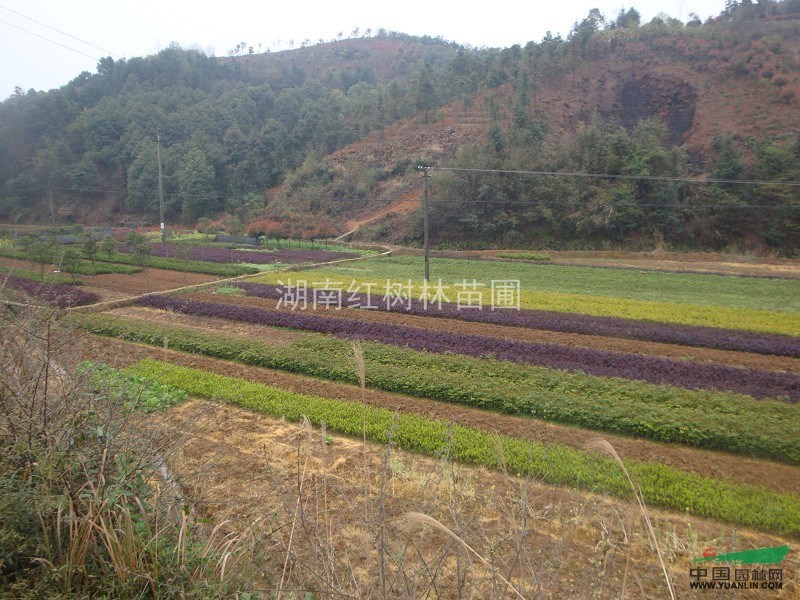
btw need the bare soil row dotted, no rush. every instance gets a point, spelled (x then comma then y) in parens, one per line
(113, 286)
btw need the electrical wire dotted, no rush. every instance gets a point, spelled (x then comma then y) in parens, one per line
(494, 203)
(628, 177)
(533, 203)
(49, 40)
(57, 31)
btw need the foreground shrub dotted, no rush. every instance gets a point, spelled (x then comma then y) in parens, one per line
(80, 515)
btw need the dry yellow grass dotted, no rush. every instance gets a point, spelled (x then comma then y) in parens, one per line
(322, 528)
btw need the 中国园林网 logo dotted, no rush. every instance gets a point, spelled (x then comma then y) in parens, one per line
(748, 573)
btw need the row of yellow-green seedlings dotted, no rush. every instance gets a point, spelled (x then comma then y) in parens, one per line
(748, 319)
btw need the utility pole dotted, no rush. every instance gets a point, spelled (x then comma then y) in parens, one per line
(426, 173)
(160, 190)
(52, 208)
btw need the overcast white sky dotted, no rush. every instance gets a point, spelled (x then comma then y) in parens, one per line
(127, 28)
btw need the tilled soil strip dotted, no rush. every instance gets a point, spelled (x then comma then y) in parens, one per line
(115, 286)
(699, 267)
(722, 357)
(772, 476)
(268, 335)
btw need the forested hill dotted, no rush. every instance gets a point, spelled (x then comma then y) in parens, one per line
(231, 127)
(327, 137)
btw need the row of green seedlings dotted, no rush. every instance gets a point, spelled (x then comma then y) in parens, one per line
(701, 418)
(97, 257)
(659, 484)
(136, 392)
(533, 256)
(181, 263)
(86, 261)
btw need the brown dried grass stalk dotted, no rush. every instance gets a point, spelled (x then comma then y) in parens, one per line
(607, 448)
(415, 518)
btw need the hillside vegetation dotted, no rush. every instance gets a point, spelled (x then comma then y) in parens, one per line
(687, 130)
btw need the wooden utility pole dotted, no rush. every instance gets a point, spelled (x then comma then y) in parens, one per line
(52, 207)
(425, 240)
(160, 190)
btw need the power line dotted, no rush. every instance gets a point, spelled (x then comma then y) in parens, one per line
(151, 192)
(57, 31)
(629, 177)
(134, 190)
(49, 40)
(615, 205)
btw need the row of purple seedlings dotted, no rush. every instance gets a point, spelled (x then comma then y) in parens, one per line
(685, 335)
(684, 374)
(228, 255)
(53, 293)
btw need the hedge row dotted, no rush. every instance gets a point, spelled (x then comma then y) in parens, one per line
(190, 266)
(233, 256)
(83, 266)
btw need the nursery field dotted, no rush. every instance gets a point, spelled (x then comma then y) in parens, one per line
(510, 366)
(119, 273)
(738, 302)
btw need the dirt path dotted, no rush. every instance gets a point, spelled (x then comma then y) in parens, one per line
(773, 476)
(406, 203)
(724, 357)
(724, 268)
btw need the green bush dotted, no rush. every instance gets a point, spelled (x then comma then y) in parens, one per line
(191, 266)
(127, 264)
(228, 290)
(536, 256)
(85, 267)
(78, 516)
(134, 392)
